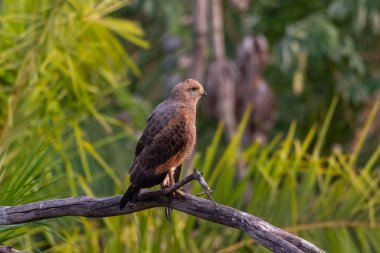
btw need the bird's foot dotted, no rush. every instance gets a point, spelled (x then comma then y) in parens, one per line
(132, 204)
(179, 194)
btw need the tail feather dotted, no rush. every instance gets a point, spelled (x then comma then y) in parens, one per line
(131, 195)
(168, 211)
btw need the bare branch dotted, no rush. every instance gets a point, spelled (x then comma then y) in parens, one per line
(264, 233)
(8, 249)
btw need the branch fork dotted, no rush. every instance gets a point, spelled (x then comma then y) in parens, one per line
(196, 175)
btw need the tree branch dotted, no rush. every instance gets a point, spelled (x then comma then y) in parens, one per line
(9, 249)
(264, 233)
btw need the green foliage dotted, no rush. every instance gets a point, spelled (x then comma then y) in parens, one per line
(64, 74)
(330, 200)
(319, 50)
(327, 49)
(62, 64)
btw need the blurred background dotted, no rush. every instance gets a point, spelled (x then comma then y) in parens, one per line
(290, 130)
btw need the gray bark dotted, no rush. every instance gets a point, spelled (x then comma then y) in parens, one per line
(9, 249)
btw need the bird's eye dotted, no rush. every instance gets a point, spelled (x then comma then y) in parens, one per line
(194, 89)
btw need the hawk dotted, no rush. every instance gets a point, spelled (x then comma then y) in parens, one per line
(168, 139)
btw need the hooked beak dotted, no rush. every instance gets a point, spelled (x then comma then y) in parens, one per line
(204, 93)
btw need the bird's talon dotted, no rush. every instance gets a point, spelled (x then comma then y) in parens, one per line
(130, 204)
(179, 194)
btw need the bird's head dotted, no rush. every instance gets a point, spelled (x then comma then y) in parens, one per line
(188, 91)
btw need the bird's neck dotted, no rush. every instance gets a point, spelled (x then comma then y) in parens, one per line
(191, 106)
(177, 96)
(185, 101)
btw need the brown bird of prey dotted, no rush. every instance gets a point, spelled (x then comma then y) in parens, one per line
(168, 139)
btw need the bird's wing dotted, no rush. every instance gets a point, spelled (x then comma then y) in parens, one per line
(163, 138)
(151, 130)
(156, 122)
(177, 173)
